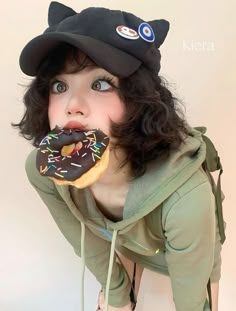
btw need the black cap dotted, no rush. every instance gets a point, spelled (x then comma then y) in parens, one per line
(117, 41)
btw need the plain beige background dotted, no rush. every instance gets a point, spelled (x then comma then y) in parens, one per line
(38, 268)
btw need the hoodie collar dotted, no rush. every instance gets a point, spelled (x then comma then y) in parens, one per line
(162, 178)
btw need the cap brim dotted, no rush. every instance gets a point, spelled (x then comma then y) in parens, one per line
(110, 58)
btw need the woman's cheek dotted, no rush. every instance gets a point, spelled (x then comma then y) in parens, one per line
(118, 112)
(52, 114)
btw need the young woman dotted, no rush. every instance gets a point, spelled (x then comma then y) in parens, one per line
(153, 207)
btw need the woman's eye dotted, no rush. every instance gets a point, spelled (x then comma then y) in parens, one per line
(58, 87)
(101, 85)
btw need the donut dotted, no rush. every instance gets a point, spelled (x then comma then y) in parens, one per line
(72, 156)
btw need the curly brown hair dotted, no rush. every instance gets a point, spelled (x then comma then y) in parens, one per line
(153, 124)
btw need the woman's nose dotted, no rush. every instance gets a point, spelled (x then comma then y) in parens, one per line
(77, 106)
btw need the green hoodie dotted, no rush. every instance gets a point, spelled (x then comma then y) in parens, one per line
(169, 226)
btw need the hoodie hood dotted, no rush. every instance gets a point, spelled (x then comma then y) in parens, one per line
(165, 177)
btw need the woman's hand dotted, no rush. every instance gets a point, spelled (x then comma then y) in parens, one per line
(101, 305)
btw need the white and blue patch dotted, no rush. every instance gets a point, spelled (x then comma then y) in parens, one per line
(146, 32)
(106, 233)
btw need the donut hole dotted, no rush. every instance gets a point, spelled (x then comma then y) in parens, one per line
(70, 149)
(78, 146)
(67, 150)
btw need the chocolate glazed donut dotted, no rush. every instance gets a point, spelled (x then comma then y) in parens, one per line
(72, 156)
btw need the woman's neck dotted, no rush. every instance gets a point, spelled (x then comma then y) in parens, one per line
(115, 174)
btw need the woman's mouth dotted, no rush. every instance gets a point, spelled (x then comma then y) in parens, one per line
(75, 125)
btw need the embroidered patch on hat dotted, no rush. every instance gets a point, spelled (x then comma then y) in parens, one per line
(146, 32)
(127, 32)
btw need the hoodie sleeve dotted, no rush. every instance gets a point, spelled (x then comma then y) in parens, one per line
(97, 250)
(190, 228)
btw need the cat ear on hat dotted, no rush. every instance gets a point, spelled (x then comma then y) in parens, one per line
(57, 12)
(160, 28)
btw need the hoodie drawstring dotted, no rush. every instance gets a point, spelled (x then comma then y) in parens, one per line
(109, 274)
(82, 239)
(111, 259)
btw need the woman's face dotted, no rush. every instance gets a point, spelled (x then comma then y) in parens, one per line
(86, 99)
